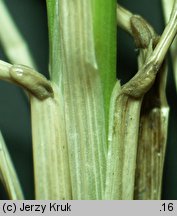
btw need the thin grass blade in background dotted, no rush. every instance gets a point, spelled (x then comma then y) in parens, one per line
(8, 175)
(167, 7)
(12, 41)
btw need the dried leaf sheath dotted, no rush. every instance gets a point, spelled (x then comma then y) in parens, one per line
(152, 141)
(50, 151)
(119, 184)
(123, 139)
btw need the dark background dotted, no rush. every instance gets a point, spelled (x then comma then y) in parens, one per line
(31, 19)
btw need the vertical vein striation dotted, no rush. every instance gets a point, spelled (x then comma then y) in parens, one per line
(104, 23)
(152, 140)
(84, 111)
(123, 138)
(50, 150)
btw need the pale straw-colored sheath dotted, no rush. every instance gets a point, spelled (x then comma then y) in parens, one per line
(50, 151)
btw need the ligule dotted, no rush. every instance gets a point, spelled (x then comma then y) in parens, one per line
(50, 150)
(8, 175)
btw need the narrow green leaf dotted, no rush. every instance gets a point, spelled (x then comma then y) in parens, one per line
(104, 28)
(54, 41)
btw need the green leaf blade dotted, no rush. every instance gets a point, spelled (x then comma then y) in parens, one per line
(105, 27)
